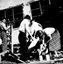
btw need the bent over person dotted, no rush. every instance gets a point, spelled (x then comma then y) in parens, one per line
(54, 41)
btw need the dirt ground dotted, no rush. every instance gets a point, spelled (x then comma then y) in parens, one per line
(34, 62)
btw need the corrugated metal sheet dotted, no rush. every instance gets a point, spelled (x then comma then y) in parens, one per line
(55, 42)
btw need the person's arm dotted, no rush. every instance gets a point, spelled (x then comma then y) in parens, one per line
(7, 27)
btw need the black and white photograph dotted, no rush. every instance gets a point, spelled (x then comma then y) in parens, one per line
(31, 32)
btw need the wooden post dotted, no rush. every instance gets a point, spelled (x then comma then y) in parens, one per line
(0, 58)
(49, 2)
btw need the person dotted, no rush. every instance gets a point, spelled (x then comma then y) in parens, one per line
(3, 24)
(3, 36)
(34, 37)
(27, 39)
(34, 29)
(54, 39)
(22, 37)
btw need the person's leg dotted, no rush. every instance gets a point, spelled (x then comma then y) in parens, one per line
(4, 41)
(23, 47)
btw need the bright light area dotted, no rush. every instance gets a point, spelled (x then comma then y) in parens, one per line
(10, 3)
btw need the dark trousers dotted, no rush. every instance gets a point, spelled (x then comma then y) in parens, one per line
(23, 47)
(4, 40)
(0, 48)
(25, 52)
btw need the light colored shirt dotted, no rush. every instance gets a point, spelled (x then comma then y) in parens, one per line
(4, 25)
(36, 26)
(24, 25)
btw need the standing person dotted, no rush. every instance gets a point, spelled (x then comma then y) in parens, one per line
(22, 37)
(28, 29)
(3, 28)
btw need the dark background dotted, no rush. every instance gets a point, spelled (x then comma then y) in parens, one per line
(52, 16)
